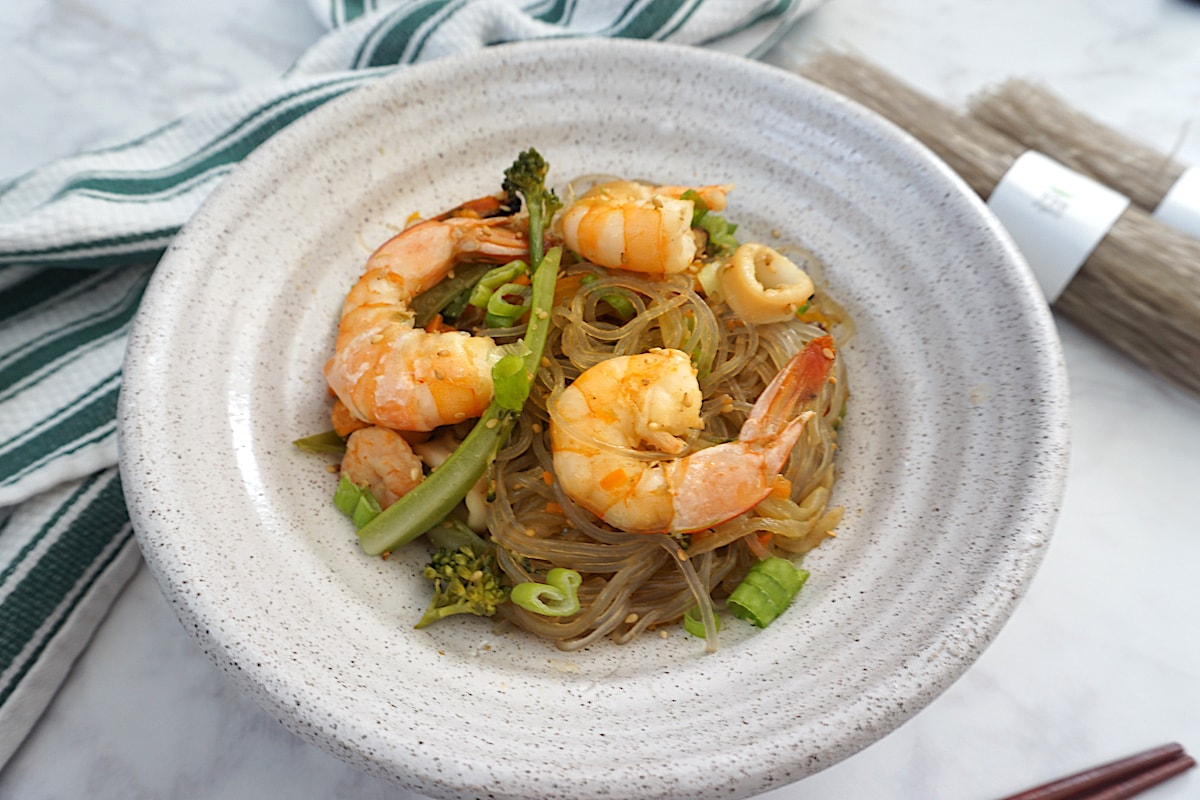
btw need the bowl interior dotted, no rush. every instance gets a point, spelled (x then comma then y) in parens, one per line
(952, 458)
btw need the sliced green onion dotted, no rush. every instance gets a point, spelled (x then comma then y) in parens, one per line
(510, 383)
(616, 300)
(561, 589)
(766, 591)
(493, 279)
(709, 281)
(720, 232)
(699, 207)
(501, 311)
(327, 442)
(438, 297)
(803, 308)
(356, 502)
(694, 625)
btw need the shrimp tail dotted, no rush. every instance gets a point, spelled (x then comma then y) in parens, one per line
(799, 382)
(745, 469)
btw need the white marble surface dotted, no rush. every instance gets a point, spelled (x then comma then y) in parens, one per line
(1101, 658)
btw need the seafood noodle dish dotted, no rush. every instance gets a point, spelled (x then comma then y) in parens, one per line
(598, 411)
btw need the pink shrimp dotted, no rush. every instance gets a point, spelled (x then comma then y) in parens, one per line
(382, 461)
(389, 373)
(632, 226)
(613, 408)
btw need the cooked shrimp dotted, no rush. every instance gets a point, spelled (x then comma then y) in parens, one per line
(599, 422)
(382, 461)
(389, 373)
(344, 423)
(627, 225)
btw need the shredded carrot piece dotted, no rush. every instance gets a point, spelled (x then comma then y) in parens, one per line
(437, 324)
(553, 508)
(547, 477)
(567, 286)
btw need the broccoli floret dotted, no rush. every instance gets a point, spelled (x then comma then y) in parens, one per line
(527, 178)
(464, 583)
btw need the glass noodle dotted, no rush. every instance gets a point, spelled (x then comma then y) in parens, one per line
(634, 582)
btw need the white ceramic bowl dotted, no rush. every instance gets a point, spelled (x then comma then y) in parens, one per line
(952, 458)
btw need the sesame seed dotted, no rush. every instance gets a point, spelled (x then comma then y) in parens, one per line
(377, 338)
(530, 532)
(415, 473)
(825, 351)
(545, 361)
(476, 575)
(632, 618)
(662, 634)
(491, 423)
(542, 313)
(537, 427)
(443, 353)
(460, 415)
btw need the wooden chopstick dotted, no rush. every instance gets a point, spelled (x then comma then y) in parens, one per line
(1115, 780)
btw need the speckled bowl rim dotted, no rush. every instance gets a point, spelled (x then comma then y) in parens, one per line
(674, 719)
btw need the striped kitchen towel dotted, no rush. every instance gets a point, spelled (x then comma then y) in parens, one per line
(80, 237)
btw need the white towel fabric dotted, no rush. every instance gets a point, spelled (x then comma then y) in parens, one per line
(79, 238)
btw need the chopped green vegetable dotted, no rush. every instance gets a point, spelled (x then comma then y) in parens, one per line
(709, 281)
(432, 500)
(452, 533)
(510, 383)
(561, 589)
(435, 497)
(494, 278)
(356, 502)
(327, 442)
(766, 591)
(616, 299)
(454, 309)
(501, 310)
(720, 232)
(694, 625)
(466, 580)
(440, 296)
